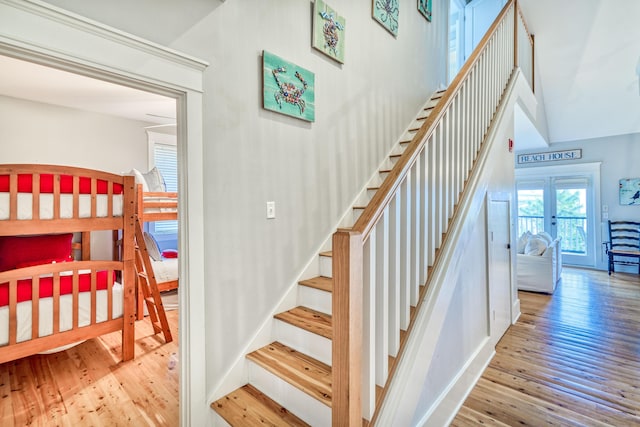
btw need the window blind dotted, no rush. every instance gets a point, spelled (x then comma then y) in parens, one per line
(165, 158)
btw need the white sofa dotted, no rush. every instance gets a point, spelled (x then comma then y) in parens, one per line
(540, 273)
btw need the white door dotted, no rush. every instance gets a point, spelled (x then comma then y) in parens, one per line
(499, 238)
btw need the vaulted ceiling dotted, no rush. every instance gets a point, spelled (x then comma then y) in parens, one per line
(588, 59)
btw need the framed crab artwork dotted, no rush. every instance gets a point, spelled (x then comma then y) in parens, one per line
(386, 13)
(328, 31)
(287, 88)
(424, 6)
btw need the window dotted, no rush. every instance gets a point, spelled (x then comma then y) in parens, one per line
(163, 154)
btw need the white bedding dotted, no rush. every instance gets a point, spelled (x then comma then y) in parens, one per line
(66, 314)
(25, 205)
(165, 270)
(160, 199)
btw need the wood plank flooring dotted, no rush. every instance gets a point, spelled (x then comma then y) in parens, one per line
(572, 359)
(87, 385)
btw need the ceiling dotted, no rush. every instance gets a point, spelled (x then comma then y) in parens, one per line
(587, 57)
(33, 82)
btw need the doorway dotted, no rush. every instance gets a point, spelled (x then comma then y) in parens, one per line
(50, 37)
(560, 201)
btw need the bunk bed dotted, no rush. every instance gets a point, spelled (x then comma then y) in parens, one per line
(49, 298)
(155, 206)
(157, 270)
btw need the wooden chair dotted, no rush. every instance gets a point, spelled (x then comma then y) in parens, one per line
(623, 247)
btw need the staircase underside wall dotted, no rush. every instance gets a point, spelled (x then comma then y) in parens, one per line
(451, 340)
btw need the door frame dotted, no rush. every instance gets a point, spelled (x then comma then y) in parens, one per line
(50, 36)
(593, 212)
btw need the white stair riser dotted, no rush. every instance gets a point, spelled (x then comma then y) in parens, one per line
(356, 214)
(326, 266)
(218, 421)
(297, 402)
(303, 341)
(316, 299)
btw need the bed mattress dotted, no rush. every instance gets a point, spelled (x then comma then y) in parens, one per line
(24, 310)
(25, 206)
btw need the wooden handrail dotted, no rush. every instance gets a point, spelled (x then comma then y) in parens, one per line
(383, 196)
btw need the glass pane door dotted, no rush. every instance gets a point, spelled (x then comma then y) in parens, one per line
(561, 207)
(571, 220)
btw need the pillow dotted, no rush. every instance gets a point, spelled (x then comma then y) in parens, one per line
(155, 181)
(140, 179)
(170, 253)
(16, 250)
(535, 246)
(152, 247)
(546, 236)
(522, 241)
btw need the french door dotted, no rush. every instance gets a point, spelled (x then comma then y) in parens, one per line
(563, 206)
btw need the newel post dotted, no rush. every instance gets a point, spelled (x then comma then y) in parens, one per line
(347, 329)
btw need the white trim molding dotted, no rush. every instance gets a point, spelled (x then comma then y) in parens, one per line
(41, 33)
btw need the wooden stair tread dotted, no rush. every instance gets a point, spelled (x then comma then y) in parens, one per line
(301, 371)
(320, 282)
(248, 406)
(308, 319)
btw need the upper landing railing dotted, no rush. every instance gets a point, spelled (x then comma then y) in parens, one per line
(380, 264)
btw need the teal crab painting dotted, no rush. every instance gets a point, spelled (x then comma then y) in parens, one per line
(328, 31)
(287, 88)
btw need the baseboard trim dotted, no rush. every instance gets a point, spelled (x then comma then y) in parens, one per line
(449, 402)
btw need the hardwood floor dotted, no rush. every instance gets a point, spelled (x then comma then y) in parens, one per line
(87, 385)
(572, 359)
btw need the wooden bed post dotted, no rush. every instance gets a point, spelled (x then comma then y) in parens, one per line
(128, 253)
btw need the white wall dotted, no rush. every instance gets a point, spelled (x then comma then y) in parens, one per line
(618, 156)
(33, 132)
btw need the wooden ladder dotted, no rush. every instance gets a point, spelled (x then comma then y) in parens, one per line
(149, 287)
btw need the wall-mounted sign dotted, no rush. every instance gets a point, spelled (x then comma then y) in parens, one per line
(550, 157)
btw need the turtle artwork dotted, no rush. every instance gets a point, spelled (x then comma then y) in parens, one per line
(287, 88)
(328, 31)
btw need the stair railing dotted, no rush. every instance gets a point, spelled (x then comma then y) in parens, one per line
(381, 263)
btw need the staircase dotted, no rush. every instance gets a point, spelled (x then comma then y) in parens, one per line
(295, 369)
